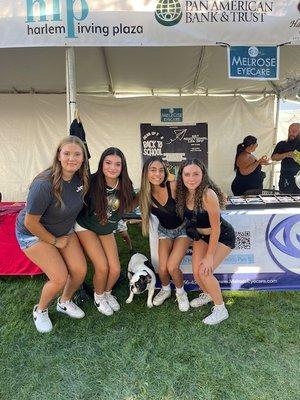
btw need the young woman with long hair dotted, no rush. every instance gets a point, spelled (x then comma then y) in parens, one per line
(157, 197)
(44, 229)
(109, 196)
(199, 200)
(249, 175)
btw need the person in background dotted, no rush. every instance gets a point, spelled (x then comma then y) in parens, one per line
(157, 197)
(249, 175)
(109, 196)
(285, 152)
(199, 200)
(44, 229)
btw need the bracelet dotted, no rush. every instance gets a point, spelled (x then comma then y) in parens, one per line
(54, 242)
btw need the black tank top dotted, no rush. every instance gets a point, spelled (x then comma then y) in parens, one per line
(200, 218)
(166, 214)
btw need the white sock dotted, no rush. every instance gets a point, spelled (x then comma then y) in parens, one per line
(98, 296)
(180, 291)
(108, 292)
(168, 287)
(220, 305)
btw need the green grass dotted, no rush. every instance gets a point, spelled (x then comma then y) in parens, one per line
(157, 354)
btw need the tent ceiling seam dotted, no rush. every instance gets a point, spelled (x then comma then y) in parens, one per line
(108, 70)
(198, 69)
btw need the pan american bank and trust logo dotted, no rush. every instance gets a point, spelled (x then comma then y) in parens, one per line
(283, 242)
(170, 12)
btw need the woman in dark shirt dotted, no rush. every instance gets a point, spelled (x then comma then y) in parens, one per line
(110, 194)
(199, 200)
(157, 197)
(249, 175)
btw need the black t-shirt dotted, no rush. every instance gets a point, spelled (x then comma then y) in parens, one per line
(289, 167)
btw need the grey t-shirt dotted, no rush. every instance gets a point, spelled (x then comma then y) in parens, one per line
(41, 201)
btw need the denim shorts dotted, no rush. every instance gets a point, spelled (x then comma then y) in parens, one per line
(164, 233)
(25, 241)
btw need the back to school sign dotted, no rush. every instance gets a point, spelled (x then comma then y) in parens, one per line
(174, 144)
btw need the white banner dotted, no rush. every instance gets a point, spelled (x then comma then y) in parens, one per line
(29, 23)
(266, 256)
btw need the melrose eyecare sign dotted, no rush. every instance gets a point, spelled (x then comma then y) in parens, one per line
(260, 63)
(152, 23)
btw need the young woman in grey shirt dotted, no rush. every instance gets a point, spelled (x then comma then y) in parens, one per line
(44, 229)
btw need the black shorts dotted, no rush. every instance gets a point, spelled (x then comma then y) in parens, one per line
(227, 235)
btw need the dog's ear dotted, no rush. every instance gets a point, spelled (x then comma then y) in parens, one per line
(148, 264)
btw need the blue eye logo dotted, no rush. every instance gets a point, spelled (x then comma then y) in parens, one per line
(283, 242)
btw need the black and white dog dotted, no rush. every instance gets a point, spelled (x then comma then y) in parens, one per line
(141, 277)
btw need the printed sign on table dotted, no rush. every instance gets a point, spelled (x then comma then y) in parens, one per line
(266, 256)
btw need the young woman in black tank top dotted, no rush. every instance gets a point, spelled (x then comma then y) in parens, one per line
(157, 197)
(198, 195)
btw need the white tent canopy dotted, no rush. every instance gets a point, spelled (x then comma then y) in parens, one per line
(140, 71)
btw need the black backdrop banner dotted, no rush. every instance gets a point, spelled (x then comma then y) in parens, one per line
(175, 143)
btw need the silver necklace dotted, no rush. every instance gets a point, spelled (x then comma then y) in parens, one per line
(112, 189)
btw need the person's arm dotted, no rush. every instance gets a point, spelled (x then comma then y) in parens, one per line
(211, 204)
(32, 223)
(248, 163)
(38, 200)
(279, 154)
(282, 156)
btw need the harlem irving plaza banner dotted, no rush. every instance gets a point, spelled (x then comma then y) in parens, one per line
(38, 23)
(174, 143)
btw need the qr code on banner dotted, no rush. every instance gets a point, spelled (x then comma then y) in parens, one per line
(243, 240)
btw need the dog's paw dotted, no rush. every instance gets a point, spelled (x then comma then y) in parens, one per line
(149, 305)
(129, 300)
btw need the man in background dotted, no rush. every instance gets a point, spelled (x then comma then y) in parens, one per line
(285, 152)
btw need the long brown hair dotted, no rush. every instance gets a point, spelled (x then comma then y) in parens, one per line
(145, 201)
(97, 189)
(54, 173)
(182, 191)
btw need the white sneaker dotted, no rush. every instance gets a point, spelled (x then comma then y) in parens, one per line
(161, 296)
(41, 320)
(70, 308)
(183, 302)
(112, 301)
(201, 300)
(218, 315)
(102, 305)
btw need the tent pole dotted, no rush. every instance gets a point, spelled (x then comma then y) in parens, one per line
(70, 85)
(272, 180)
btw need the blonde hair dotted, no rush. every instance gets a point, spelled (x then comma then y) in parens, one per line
(145, 200)
(56, 170)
